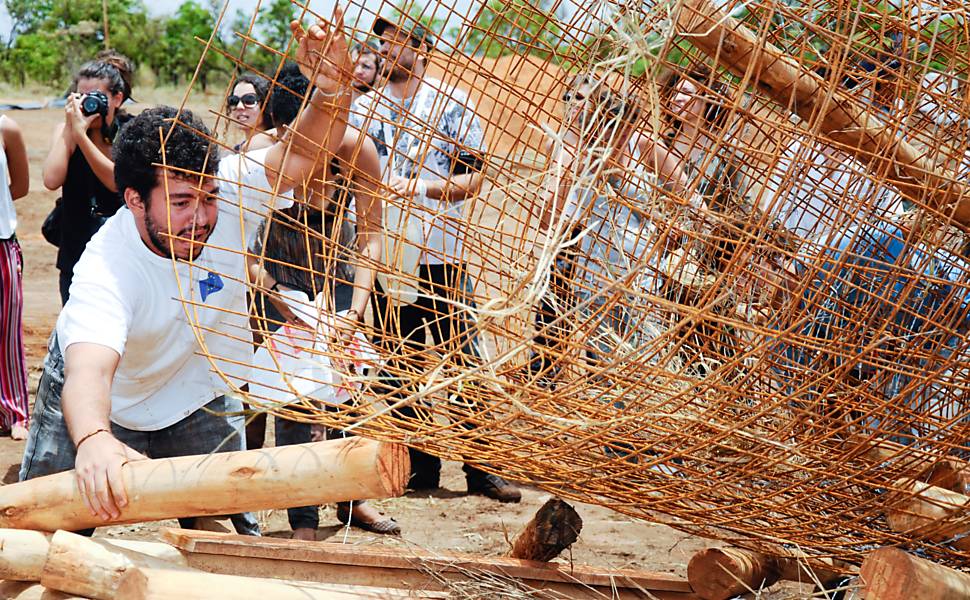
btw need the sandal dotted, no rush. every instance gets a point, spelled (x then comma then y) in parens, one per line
(386, 526)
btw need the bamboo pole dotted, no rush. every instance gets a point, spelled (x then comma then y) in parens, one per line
(92, 567)
(891, 574)
(834, 113)
(928, 511)
(298, 475)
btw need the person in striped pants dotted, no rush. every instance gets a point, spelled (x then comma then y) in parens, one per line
(14, 183)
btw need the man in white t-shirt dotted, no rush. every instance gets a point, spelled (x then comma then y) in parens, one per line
(126, 375)
(431, 147)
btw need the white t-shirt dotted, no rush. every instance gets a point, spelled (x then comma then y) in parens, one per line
(427, 133)
(8, 215)
(130, 299)
(815, 196)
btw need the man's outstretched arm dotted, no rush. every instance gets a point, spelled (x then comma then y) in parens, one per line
(318, 130)
(86, 402)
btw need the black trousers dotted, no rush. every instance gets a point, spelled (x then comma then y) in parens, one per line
(402, 329)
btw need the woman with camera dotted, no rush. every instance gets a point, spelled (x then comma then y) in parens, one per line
(79, 161)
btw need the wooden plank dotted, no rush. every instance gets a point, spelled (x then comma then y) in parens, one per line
(391, 560)
(218, 484)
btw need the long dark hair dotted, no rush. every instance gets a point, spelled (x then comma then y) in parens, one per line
(110, 67)
(261, 85)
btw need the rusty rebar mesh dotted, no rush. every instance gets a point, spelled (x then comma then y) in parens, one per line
(754, 346)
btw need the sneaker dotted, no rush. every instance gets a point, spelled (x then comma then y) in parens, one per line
(494, 487)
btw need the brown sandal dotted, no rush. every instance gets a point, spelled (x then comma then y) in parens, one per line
(386, 526)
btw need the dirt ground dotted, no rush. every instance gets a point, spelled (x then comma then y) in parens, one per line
(447, 520)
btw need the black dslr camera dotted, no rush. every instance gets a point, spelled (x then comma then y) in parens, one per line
(94, 103)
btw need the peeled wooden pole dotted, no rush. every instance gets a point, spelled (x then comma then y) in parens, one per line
(928, 511)
(23, 553)
(722, 573)
(891, 574)
(92, 567)
(217, 484)
(834, 113)
(555, 526)
(28, 590)
(159, 584)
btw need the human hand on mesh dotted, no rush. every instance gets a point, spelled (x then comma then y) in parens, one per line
(322, 53)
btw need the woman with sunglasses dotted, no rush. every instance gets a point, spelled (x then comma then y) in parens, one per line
(245, 106)
(79, 161)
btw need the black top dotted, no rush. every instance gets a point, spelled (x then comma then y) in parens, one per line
(86, 204)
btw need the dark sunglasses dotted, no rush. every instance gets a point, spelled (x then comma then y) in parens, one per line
(570, 96)
(248, 100)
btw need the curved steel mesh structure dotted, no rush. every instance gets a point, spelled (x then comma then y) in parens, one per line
(716, 275)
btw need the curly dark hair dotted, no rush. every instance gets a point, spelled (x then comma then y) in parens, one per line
(284, 103)
(138, 148)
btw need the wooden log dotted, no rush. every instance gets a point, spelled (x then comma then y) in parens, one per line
(929, 512)
(891, 574)
(555, 526)
(92, 567)
(28, 590)
(949, 474)
(23, 552)
(158, 584)
(722, 573)
(841, 118)
(218, 484)
(390, 567)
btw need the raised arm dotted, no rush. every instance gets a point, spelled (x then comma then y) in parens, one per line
(359, 152)
(319, 128)
(55, 165)
(16, 151)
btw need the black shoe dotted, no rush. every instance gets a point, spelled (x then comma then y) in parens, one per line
(419, 482)
(494, 487)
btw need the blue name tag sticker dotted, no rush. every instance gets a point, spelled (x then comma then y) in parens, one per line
(210, 285)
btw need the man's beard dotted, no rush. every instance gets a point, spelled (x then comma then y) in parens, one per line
(163, 241)
(398, 72)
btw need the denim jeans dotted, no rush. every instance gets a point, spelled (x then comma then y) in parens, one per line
(50, 449)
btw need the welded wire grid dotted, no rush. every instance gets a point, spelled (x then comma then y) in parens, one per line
(750, 331)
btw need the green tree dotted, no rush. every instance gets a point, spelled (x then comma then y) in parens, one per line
(515, 27)
(180, 52)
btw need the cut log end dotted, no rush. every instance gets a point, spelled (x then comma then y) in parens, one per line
(722, 573)
(891, 574)
(554, 528)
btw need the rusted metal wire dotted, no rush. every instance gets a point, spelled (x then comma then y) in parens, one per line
(730, 343)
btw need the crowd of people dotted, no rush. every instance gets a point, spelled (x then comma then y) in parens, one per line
(123, 378)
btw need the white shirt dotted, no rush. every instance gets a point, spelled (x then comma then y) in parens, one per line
(815, 196)
(427, 133)
(130, 299)
(8, 215)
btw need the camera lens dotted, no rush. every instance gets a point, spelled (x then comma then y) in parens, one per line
(94, 103)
